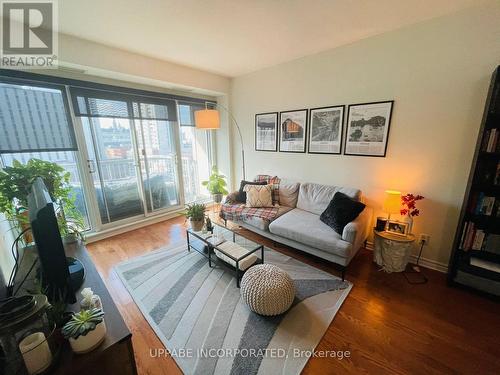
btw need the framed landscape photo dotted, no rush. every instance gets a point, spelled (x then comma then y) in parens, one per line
(325, 130)
(368, 128)
(293, 130)
(266, 131)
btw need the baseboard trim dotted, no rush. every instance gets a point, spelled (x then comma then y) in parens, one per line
(424, 262)
(97, 236)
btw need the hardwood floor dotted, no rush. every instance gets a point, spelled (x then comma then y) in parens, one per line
(388, 325)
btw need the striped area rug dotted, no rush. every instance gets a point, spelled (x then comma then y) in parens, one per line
(198, 309)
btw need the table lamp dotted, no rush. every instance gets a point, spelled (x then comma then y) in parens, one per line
(392, 203)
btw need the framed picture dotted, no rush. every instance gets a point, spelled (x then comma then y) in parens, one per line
(325, 130)
(368, 128)
(293, 130)
(266, 131)
(397, 227)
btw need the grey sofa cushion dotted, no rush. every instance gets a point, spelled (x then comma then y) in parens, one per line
(306, 227)
(261, 223)
(315, 197)
(289, 193)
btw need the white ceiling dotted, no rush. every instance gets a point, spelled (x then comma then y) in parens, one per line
(235, 37)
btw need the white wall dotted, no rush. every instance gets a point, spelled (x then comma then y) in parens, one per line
(82, 52)
(437, 72)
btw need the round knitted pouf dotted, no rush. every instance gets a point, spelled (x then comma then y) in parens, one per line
(267, 289)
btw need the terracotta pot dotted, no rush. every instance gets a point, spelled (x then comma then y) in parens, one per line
(28, 237)
(197, 225)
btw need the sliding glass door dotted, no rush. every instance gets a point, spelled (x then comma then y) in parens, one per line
(112, 163)
(132, 155)
(158, 161)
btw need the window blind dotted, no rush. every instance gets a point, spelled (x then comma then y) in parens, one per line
(34, 118)
(100, 103)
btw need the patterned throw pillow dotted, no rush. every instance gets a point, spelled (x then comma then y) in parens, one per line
(242, 196)
(259, 195)
(274, 181)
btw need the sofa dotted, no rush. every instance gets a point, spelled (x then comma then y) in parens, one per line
(297, 222)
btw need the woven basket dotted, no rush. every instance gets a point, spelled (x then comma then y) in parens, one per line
(267, 289)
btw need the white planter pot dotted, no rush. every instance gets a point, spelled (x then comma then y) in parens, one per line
(87, 343)
(70, 239)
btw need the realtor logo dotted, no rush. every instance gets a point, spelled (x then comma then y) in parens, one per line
(29, 34)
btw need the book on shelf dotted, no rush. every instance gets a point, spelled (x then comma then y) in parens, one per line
(490, 141)
(481, 204)
(474, 238)
(496, 179)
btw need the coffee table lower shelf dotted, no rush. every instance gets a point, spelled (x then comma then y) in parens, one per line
(207, 249)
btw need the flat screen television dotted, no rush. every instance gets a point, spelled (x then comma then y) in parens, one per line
(60, 276)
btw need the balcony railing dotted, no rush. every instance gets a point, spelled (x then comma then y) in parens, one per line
(118, 171)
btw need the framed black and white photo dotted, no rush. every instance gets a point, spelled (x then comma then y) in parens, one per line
(397, 227)
(293, 130)
(325, 130)
(368, 128)
(266, 131)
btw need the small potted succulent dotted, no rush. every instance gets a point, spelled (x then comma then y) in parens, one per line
(196, 214)
(216, 185)
(85, 330)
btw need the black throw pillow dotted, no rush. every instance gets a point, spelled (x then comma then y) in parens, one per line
(242, 195)
(341, 211)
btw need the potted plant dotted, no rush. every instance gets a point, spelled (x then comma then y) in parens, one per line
(71, 224)
(15, 185)
(409, 210)
(196, 214)
(216, 185)
(85, 330)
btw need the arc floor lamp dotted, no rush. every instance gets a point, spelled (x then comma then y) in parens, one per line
(209, 119)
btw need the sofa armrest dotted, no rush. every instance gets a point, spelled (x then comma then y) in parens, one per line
(356, 232)
(231, 198)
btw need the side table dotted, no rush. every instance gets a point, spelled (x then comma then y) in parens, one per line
(392, 252)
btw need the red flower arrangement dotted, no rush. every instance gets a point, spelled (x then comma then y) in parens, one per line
(409, 203)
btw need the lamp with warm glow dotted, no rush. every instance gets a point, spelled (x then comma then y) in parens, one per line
(209, 119)
(392, 202)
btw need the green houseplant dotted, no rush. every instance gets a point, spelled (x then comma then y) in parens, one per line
(15, 184)
(216, 185)
(85, 330)
(196, 214)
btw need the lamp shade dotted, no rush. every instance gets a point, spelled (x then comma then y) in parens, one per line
(207, 119)
(392, 202)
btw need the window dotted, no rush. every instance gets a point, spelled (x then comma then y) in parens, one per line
(196, 147)
(133, 144)
(35, 123)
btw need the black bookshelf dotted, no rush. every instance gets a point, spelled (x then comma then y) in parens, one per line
(475, 258)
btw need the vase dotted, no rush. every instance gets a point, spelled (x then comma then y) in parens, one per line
(408, 219)
(218, 198)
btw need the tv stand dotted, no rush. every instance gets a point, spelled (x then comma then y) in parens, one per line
(115, 355)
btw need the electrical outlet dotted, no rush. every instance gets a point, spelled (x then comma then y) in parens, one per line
(424, 238)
